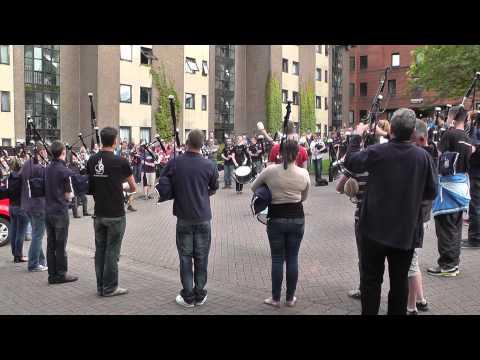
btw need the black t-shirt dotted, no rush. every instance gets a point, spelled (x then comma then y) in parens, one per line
(107, 173)
(456, 140)
(240, 154)
(228, 150)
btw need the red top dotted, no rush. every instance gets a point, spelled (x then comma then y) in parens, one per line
(276, 158)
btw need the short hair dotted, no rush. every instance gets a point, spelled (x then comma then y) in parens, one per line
(458, 113)
(57, 149)
(403, 123)
(421, 128)
(39, 147)
(108, 136)
(195, 139)
(291, 150)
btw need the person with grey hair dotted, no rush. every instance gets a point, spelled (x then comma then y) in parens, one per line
(195, 180)
(400, 177)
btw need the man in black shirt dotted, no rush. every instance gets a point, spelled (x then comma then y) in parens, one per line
(228, 167)
(58, 195)
(107, 173)
(400, 177)
(193, 179)
(448, 225)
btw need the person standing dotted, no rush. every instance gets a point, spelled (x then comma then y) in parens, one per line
(240, 158)
(228, 167)
(255, 153)
(449, 214)
(35, 209)
(58, 194)
(390, 217)
(107, 173)
(286, 220)
(18, 220)
(318, 151)
(148, 176)
(473, 240)
(196, 179)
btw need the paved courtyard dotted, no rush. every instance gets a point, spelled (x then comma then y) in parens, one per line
(239, 266)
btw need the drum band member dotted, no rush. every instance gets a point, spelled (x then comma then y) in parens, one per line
(228, 167)
(240, 158)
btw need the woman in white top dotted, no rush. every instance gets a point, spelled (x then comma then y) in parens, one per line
(286, 220)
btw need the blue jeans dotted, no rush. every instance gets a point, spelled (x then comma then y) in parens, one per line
(474, 210)
(19, 221)
(193, 243)
(35, 254)
(227, 174)
(285, 236)
(108, 242)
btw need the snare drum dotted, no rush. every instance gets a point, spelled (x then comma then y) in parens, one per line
(243, 174)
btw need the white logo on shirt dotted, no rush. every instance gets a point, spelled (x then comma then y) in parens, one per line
(99, 168)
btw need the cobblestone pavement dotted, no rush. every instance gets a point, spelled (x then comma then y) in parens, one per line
(239, 266)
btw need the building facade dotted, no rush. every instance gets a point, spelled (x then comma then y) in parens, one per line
(221, 88)
(367, 64)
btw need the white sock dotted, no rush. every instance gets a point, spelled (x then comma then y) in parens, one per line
(423, 301)
(412, 310)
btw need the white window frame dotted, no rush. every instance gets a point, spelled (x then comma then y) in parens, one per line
(7, 60)
(318, 101)
(295, 65)
(149, 95)
(148, 56)
(317, 72)
(193, 101)
(191, 66)
(395, 56)
(131, 95)
(284, 96)
(204, 68)
(7, 94)
(204, 102)
(124, 47)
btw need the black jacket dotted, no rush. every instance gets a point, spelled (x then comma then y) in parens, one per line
(401, 176)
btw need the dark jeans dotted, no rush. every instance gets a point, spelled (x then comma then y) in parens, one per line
(474, 210)
(373, 266)
(108, 242)
(193, 243)
(317, 164)
(227, 174)
(238, 186)
(137, 173)
(449, 233)
(57, 235)
(82, 198)
(285, 236)
(18, 228)
(358, 239)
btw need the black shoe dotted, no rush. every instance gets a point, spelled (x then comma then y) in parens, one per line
(467, 244)
(19, 259)
(422, 307)
(412, 312)
(63, 280)
(77, 216)
(87, 214)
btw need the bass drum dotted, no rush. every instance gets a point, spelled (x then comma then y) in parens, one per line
(243, 174)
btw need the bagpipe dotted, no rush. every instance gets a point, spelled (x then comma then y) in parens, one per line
(284, 135)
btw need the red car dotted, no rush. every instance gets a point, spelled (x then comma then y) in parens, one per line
(4, 222)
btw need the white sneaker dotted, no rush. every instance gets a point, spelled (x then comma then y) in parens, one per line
(180, 301)
(202, 302)
(39, 268)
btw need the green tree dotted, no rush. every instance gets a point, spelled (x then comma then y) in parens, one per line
(165, 87)
(446, 69)
(273, 104)
(307, 108)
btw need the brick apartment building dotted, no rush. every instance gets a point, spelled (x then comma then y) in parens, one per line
(367, 64)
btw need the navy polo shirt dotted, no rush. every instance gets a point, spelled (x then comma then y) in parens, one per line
(57, 182)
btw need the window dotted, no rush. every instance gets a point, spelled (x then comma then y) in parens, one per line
(319, 49)
(352, 63)
(395, 59)
(352, 90)
(189, 101)
(191, 66)
(125, 134)
(319, 74)
(126, 93)
(351, 117)
(363, 114)
(146, 56)
(204, 102)
(296, 99)
(5, 106)
(204, 68)
(4, 54)
(363, 89)
(363, 62)
(145, 96)
(318, 102)
(284, 96)
(326, 103)
(295, 68)
(126, 52)
(145, 134)
(326, 50)
(6, 142)
(285, 65)
(326, 76)
(392, 87)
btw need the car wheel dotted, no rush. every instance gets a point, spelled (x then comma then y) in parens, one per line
(4, 226)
